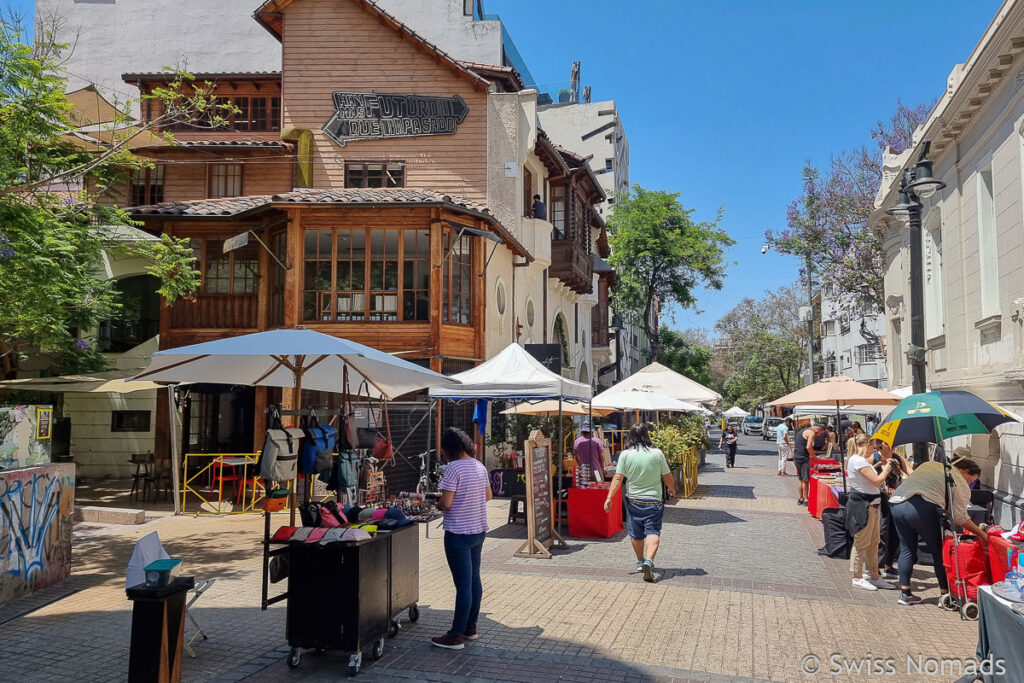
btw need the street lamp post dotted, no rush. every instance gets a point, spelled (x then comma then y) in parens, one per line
(810, 318)
(917, 185)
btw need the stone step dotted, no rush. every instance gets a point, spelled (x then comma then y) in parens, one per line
(102, 515)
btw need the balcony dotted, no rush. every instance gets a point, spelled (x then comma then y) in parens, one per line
(536, 238)
(216, 311)
(571, 264)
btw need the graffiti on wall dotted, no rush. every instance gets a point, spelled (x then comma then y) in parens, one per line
(35, 528)
(20, 442)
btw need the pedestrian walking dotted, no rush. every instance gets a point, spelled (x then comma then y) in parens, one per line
(862, 514)
(644, 469)
(805, 445)
(785, 446)
(729, 441)
(917, 507)
(465, 490)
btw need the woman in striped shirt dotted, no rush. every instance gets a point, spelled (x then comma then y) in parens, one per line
(465, 490)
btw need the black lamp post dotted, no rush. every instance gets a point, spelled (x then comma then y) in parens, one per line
(916, 185)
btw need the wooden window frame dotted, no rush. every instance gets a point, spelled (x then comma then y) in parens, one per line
(447, 291)
(352, 165)
(149, 174)
(210, 180)
(202, 262)
(124, 421)
(272, 104)
(367, 290)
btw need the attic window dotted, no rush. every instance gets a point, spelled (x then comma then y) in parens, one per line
(361, 174)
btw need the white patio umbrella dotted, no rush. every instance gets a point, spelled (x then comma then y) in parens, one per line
(642, 400)
(735, 411)
(285, 358)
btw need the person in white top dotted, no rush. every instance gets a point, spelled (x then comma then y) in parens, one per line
(784, 444)
(916, 507)
(862, 514)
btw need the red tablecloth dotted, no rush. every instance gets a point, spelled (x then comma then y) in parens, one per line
(997, 547)
(587, 518)
(820, 497)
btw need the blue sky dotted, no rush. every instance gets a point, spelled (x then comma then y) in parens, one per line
(723, 101)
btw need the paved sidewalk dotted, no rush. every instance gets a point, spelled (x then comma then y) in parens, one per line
(741, 595)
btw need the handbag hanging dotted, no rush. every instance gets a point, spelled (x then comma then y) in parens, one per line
(382, 447)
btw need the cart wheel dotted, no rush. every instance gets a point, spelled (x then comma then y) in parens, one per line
(378, 650)
(414, 613)
(948, 602)
(393, 629)
(294, 658)
(969, 611)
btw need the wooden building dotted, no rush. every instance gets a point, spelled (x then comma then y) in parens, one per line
(365, 176)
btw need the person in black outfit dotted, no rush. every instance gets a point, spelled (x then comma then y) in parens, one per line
(807, 443)
(539, 209)
(729, 439)
(889, 548)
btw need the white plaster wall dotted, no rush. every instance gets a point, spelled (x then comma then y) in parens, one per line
(443, 23)
(98, 452)
(567, 124)
(112, 37)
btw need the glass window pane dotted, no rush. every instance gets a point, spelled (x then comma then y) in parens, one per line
(309, 306)
(344, 243)
(377, 275)
(310, 244)
(359, 275)
(377, 243)
(391, 243)
(354, 176)
(374, 175)
(325, 243)
(325, 306)
(391, 275)
(358, 244)
(344, 275)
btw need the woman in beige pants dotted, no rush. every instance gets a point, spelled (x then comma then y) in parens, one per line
(862, 515)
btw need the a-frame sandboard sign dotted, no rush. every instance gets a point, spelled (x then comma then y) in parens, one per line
(540, 527)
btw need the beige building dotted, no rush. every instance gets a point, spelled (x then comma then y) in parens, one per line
(973, 247)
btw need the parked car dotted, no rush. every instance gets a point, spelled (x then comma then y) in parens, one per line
(752, 424)
(769, 426)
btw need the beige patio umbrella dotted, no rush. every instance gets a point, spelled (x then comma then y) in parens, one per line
(550, 407)
(838, 391)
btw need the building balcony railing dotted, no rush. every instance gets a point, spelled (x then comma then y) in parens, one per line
(536, 238)
(571, 264)
(235, 311)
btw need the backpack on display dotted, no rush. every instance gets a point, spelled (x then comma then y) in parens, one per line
(317, 447)
(280, 456)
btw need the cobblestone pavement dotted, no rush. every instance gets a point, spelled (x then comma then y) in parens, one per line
(741, 595)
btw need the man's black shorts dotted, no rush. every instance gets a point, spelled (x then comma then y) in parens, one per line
(803, 468)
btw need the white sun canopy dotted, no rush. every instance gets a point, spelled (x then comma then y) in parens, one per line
(512, 374)
(663, 380)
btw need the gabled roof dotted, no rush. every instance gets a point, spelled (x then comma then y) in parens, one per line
(271, 16)
(506, 74)
(232, 208)
(580, 164)
(166, 76)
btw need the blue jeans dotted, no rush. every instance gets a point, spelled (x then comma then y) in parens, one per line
(645, 519)
(463, 554)
(916, 518)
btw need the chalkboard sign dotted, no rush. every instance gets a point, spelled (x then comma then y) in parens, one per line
(540, 531)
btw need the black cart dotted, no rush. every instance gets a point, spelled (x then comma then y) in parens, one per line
(346, 595)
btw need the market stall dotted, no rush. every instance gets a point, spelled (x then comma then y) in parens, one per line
(367, 549)
(515, 375)
(1000, 634)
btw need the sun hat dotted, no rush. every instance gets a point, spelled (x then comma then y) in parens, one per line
(379, 513)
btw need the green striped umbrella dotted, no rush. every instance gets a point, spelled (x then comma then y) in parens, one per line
(938, 415)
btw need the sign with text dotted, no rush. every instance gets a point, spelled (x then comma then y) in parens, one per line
(540, 530)
(384, 116)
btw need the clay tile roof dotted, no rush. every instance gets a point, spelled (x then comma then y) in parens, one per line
(204, 208)
(243, 143)
(161, 76)
(492, 72)
(391, 195)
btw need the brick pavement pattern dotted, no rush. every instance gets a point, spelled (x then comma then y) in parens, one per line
(741, 595)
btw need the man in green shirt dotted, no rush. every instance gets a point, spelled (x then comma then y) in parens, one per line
(645, 469)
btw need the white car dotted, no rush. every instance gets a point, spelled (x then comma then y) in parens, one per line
(751, 424)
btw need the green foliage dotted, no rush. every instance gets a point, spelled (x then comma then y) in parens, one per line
(54, 234)
(762, 347)
(662, 255)
(684, 356)
(676, 436)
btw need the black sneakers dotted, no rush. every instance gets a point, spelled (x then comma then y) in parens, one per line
(908, 598)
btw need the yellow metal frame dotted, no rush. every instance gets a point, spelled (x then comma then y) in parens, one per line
(190, 484)
(691, 463)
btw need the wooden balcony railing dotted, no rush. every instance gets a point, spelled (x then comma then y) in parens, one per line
(571, 264)
(224, 311)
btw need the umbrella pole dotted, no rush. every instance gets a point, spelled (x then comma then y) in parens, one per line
(297, 406)
(561, 456)
(842, 447)
(172, 414)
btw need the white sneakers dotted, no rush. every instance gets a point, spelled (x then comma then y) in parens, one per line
(869, 584)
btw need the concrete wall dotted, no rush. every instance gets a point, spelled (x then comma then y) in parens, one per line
(970, 347)
(113, 37)
(35, 528)
(445, 24)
